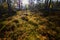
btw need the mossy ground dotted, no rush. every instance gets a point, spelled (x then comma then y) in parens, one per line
(26, 25)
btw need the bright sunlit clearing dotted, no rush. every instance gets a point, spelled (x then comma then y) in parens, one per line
(25, 2)
(35, 2)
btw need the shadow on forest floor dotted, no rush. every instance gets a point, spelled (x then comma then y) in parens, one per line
(52, 15)
(5, 13)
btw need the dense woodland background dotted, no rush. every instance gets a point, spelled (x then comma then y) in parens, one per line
(39, 22)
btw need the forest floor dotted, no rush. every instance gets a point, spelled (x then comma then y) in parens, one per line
(26, 25)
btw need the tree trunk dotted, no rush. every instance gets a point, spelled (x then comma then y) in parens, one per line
(46, 2)
(9, 5)
(19, 4)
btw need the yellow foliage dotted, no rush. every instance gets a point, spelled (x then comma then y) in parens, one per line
(5, 5)
(50, 5)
